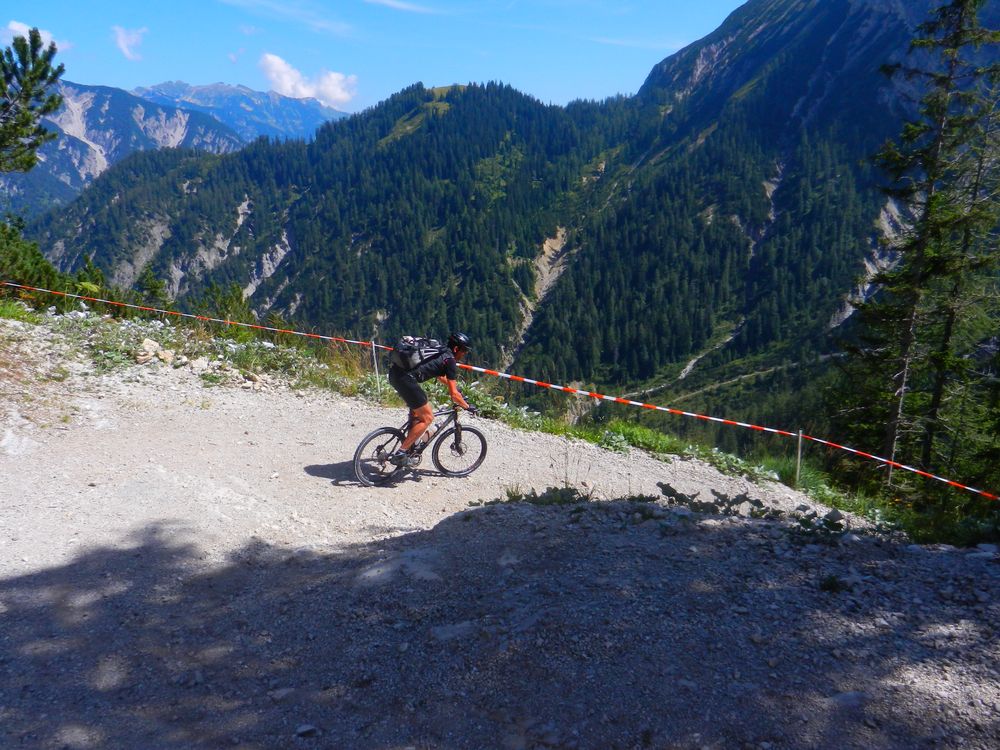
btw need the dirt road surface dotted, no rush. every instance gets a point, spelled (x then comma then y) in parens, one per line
(194, 567)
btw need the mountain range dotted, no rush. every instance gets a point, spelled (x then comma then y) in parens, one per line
(709, 229)
(98, 126)
(250, 113)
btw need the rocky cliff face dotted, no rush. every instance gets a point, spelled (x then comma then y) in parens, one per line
(775, 37)
(756, 39)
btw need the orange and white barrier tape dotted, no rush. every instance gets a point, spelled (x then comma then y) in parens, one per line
(730, 422)
(539, 383)
(904, 467)
(617, 400)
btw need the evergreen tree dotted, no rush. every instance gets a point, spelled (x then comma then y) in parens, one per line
(152, 290)
(916, 336)
(23, 262)
(26, 75)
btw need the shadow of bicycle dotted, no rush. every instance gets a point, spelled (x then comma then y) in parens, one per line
(342, 474)
(339, 473)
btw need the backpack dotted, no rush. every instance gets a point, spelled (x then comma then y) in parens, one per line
(412, 351)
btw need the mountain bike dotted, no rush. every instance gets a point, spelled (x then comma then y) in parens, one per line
(457, 450)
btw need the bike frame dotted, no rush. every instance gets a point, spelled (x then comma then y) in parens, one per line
(452, 412)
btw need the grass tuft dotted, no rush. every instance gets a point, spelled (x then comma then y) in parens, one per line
(17, 310)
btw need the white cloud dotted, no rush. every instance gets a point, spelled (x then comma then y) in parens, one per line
(331, 89)
(399, 5)
(297, 11)
(16, 28)
(127, 41)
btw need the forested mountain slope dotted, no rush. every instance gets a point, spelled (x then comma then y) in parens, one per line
(743, 207)
(424, 212)
(723, 213)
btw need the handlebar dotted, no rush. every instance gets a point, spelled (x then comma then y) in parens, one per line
(456, 408)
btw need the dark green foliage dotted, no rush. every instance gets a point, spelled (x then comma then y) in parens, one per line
(228, 304)
(23, 263)
(153, 290)
(742, 208)
(26, 74)
(922, 367)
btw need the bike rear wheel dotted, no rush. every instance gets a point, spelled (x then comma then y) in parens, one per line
(371, 459)
(459, 451)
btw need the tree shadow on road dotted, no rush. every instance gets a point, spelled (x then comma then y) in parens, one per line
(510, 626)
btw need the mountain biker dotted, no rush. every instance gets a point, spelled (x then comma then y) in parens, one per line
(444, 367)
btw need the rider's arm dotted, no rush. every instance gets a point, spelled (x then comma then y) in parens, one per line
(453, 391)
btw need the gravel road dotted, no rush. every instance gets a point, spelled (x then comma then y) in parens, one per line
(184, 566)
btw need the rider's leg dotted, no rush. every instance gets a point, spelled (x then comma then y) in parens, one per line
(420, 420)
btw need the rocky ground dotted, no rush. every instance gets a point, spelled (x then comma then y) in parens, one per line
(188, 562)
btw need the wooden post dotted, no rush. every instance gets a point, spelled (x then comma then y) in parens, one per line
(798, 461)
(378, 381)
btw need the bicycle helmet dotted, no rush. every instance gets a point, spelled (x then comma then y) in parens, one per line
(459, 340)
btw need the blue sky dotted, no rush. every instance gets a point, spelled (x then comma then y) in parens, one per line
(352, 54)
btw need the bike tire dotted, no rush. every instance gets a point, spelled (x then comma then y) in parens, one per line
(371, 465)
(459, 451)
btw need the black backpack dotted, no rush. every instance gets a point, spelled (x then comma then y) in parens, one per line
(412, 351)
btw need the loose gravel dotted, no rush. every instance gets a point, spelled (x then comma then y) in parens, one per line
(184, 566)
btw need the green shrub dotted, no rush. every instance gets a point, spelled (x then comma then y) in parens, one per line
(551, 496)
(17, 310)
(613, 441)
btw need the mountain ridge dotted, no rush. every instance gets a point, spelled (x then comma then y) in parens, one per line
(250, 113)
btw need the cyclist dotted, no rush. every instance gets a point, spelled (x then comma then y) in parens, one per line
(444, 367)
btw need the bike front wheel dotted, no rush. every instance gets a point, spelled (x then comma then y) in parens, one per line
(459, 451)
(371, 459)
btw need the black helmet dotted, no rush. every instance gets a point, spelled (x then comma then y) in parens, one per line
(459, 340)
